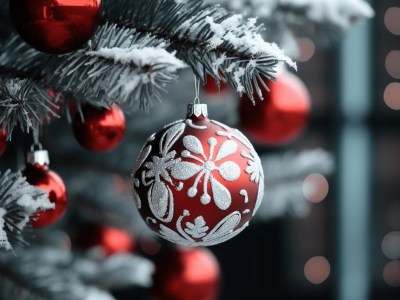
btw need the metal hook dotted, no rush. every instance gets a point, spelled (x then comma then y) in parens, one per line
(196, 100)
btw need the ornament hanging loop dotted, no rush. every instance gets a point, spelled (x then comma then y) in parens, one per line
(37, 155)
(196, 99)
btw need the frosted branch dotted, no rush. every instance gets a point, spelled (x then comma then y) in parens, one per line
(325, 20)
(210, 39)
(19, 201)
(23, 103)
(284, 177)
(119, 66)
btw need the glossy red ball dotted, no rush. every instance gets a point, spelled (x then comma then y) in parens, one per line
(281, 116)
(3, 141)
(111, 240)
(43, 178)
(198, 182)
(211, 87)
(55, 27)
(102, 128)
(186, 274)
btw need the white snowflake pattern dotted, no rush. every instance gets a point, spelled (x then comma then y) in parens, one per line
(198, 229)
(254, 167)
(228, 170)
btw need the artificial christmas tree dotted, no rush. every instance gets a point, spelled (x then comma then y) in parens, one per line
(139, 50)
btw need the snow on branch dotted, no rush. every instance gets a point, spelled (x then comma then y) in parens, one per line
(23, 103)
(210, 39)
(19, 201)
(284, 178)
(118, 66)
(326, 20)
(58, 274)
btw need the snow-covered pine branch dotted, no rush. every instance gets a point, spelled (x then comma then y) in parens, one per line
(118, 66)
(58, 274)
(19, 201)
(23, 103)
(210, 39)
(325, 20)
(284, 178)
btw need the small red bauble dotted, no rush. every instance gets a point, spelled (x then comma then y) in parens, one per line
(3, 141)
(211, 87)
(281, 116)
(186, 274)
(197, 181)
(102, 128)
(55, 27)
(38, 174)
(111, 240)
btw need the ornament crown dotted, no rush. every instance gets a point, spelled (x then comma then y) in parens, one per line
(38, 156)
(195, 109)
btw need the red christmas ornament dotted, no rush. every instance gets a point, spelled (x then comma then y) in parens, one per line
(197, 181)
(3, 141)
(111, 240)
(102, 128)
(38, 174)
(186, 274)
(55, 27)
(211, 87)
(283, 114)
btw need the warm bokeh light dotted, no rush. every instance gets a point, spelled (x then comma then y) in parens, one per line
(392, 95)
(317, 269)
(391, 245)
(391, 273)
(392, 63)
(315, 188)
(307, 49)
(392, 20)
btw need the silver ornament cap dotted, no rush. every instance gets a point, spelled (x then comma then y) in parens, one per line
(40, 157)
(197, 110)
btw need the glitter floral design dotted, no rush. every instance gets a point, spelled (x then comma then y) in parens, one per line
(206, 166)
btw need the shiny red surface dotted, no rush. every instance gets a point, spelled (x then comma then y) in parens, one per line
(211, 213)
(211, 86)
(42, 177)
(3, 141)
(111, 239)
(283, 114)
(55, 26)
(186, 274)
(102, 130)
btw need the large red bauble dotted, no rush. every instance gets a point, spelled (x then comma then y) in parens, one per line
(102, 128)
(283, 114)
(197, 181)
(43, 178)
(211, 87)
(111, 240)
(55, 27)
(186, 274)
(3, 141)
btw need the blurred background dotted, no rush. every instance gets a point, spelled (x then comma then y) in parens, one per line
(341, 242)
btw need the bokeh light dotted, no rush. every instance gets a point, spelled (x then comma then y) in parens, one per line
(391, 273)
(307, 49)
(392, 95)
(391, 245)
(392, 63)
(315, 187)
(392, 20)
(317, 269)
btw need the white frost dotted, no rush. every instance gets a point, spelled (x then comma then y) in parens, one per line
(141, 57)
(4, 243)
(342, 13)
